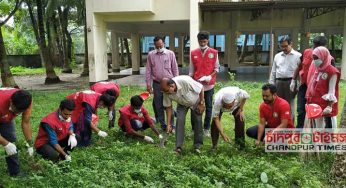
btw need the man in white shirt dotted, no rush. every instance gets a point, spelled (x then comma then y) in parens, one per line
(284, 65)
(188, 94)
(229, 99)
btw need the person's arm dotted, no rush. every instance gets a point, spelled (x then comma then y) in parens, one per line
(169, 110)
(3, 141)
(150, 122)
(216, 66)
(148, 73)
(52, 137)
(26, 126)
(330, 96)
(220, 128)
(88, 112)
(129, 129)
(201, 104)
(174, 66)
(283, 124)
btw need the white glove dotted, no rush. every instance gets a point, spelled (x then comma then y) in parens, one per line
(160, 136)
(110, 115)
(68, 158)
(202, 79)
(11, 149)
(208, 78)
(148, 139)
(327, 110)
(102, 134)
(72, 141)
(31, 151)
(293, 85)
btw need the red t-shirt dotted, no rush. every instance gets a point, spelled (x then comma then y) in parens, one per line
(126, 114)
(274, 114)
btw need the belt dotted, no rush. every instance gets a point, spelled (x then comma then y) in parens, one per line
(283, 79)
(156, 81)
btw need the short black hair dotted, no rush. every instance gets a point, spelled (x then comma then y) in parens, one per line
(67, 104)
(111, 92)
(170, 82)
(107, 99)
(157, 38)
(320, 41)
(136, 101)
(21, 100)
(271, 87)
(203, 35)
(286, 38)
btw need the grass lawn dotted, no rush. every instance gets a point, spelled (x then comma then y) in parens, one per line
(119, 162)
(19, 70)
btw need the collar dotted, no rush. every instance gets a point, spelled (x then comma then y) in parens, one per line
(177, 84)
(291, 53)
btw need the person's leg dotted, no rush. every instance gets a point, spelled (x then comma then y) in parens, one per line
(48, 152)
(8, 131)
(239, 129)
(301, 101)
(215, 133)
(158, 105)
(111, 122)
(283, 91)
(252, 132)
(180, 127)
(198, 129)
(208, 98)
(146, 124)
(328, 122)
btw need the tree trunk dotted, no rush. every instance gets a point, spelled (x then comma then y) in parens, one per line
(6, 75)
(122, 57)
(339, 166)
(67, 40)
(129, 60)
(86, 56)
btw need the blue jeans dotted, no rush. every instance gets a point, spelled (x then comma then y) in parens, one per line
(8, 131)
(301, 101)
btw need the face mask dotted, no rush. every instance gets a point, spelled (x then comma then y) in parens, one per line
(317, 62)
(137, 111)
(203, 47)
(160, 50)
(68, 120)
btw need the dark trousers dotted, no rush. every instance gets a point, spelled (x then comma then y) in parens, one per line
(158, 107)
(111, 122)
(83, 130)
(252, 132)
(136, 125)
(239, 130)
(8, 131)
(283, 91)
(49, 152)
(301, 101)
(208, 98)
(196, 121)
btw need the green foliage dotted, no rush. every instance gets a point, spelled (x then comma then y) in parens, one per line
(19, 70)
(119, 162)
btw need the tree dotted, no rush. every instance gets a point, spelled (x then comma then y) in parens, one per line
(6, 75)
(40, 34)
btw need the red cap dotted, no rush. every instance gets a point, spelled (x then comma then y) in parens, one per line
(145, 95)
(313, 111)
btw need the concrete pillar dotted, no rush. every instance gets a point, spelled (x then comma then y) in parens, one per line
(233, 57)
(181, 51)
(294, 35)
(135, 53)
(97, 46)
(228, 48)
(115, 52)
(271, 51)
(343, 62)
(171, 41)
(194, 23)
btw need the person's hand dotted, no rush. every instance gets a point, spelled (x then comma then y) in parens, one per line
(169, 129)
(201, 108)
(149, 89)
(208, 78)
(110, 115)
(148, 139)
(293, 85)
(327, 110)
(68, 158)
(201, 79)
(10, 149)
(30, 151)
(258, 143)
(102, 134)
(226, 138)
(72, 141)
(241, 115)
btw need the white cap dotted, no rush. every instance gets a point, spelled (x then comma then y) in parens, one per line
(228, 98)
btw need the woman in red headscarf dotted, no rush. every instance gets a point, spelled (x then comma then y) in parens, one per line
(323, 87)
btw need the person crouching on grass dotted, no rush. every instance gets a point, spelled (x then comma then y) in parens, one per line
(134, 117)
(55, 134)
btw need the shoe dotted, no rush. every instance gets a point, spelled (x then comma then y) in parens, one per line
(173, 130)
(206, 133)
(178, 151)
(198, 151)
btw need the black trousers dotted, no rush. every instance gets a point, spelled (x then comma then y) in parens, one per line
(8, 131)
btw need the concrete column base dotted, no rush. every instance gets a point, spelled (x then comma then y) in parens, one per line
(115, 70)
(135, 72)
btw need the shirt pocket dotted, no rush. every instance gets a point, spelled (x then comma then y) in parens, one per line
(166, 63)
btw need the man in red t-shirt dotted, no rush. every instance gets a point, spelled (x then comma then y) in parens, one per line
(275, 112)
(135, 117)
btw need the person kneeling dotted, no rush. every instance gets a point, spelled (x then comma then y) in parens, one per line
(134, 117)
(55, 135)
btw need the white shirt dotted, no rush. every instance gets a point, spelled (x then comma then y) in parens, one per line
(284, 65)
(187, 93)
(239, 95)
